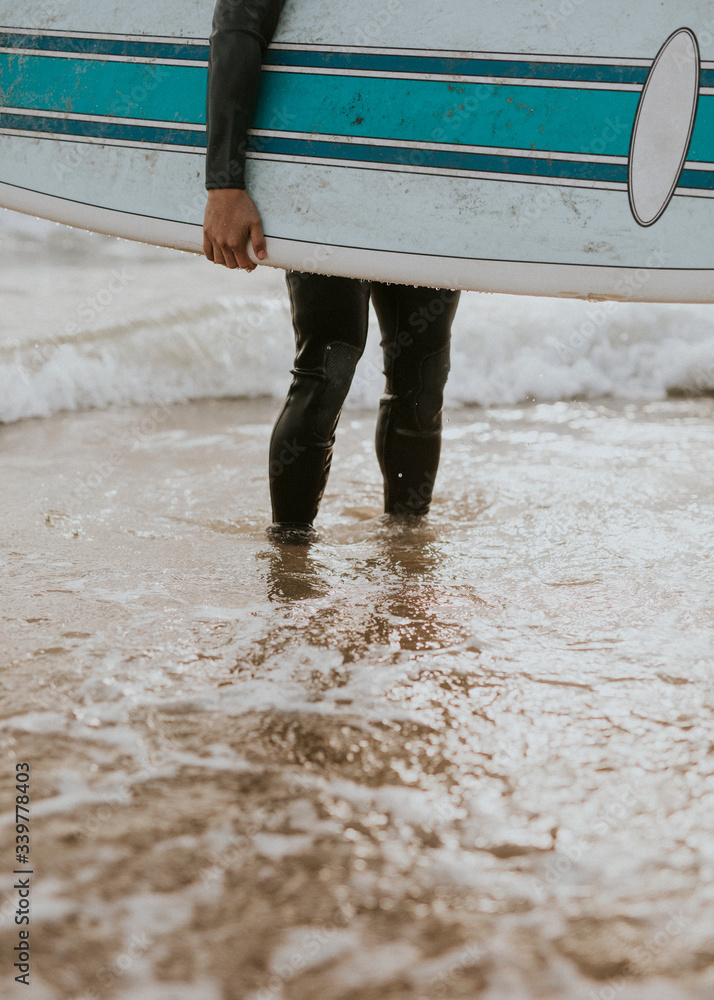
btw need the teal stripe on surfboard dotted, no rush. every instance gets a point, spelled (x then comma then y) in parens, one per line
(94, 87)
(543, 118)
(506, 115)
(474, 114)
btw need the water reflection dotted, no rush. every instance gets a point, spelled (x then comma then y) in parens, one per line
(384, 591)
(294, 573)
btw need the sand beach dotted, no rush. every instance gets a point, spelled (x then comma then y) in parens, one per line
(469, 758)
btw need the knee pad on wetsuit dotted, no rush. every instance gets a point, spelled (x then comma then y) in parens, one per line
(418, 411)
(322, 391)
(430, 398)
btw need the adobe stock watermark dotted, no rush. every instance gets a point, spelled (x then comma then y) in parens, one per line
(610, 133)
(87, 310)
(561, 863)
(454, 115)
(448, 982)
(417, 499)
(280, 119)
(597, 316)
(103, 812)
(417, 323)
(374, 19)
(702, 383)
(643, 960)
(110, 975)
(223, 859)
(74, 155)
(101, 471)
(289, 454)
(564, 10)
(153, 75)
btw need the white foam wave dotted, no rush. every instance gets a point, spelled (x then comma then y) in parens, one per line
(90, 321)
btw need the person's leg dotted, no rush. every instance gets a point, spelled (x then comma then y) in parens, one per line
(330, 320)
(416, 329)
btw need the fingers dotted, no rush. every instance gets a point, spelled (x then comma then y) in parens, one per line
(226, 252)
(258, 240)
(220, 253)
(241, 256)
(231, 222)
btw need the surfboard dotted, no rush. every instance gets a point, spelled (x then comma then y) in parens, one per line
(556, 147)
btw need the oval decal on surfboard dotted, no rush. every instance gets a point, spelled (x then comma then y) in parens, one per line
(663, 126)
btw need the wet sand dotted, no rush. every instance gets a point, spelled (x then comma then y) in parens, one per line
(467, 758)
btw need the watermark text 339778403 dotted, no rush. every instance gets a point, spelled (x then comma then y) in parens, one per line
(21, 951)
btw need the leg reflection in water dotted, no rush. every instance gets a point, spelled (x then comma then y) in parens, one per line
(293, 572)
(391, 596)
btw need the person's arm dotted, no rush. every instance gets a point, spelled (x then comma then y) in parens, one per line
(242, 30)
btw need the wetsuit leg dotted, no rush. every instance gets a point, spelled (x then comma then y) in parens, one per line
(330, 317)
(416, 329)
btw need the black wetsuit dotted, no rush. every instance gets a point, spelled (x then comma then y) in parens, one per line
(330, 317)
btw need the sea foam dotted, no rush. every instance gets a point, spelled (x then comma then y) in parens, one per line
(92, 321)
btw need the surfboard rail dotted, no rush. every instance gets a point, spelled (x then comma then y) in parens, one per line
(647, 284)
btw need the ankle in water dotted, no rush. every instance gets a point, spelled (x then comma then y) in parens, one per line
(291, 532)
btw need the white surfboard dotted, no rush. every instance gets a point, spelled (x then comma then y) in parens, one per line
(554, 151)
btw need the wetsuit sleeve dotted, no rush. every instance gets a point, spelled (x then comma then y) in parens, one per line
(242, 30)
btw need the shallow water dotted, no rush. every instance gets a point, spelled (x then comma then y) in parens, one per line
(466, 757)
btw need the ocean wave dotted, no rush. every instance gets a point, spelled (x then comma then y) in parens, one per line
(92, 321)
